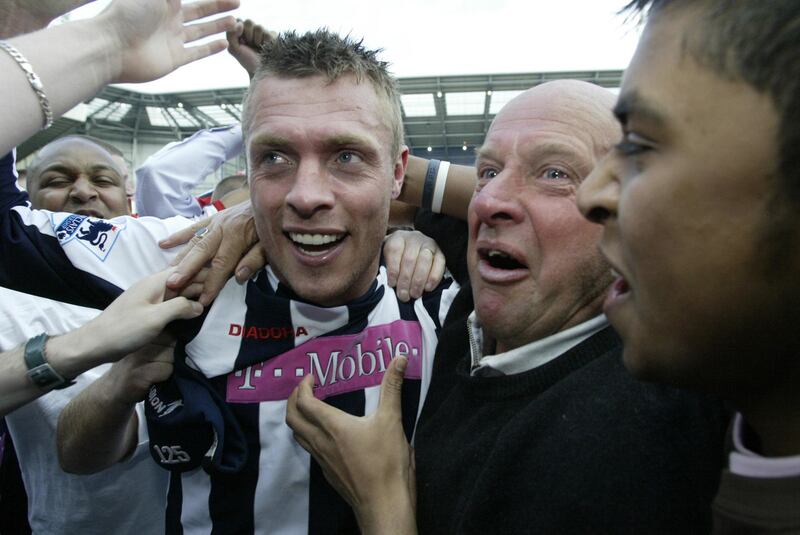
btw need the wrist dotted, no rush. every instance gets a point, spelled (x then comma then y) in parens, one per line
(103, 29)
(391, 515)
(67, 356)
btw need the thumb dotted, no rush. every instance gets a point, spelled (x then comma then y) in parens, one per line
(392, 387)
(177, 308)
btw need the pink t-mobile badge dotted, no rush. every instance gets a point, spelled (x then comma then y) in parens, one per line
(339, 364)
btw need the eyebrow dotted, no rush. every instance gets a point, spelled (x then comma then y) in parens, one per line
(537, 151)
(66, 169)
(333, 142)
(632, 103)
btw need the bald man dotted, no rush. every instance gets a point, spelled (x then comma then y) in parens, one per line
(531, 424)
(76, 174)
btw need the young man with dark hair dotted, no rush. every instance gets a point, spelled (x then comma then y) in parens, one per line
(699, 201)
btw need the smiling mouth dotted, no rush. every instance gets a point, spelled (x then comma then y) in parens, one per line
(500, 260)
(315, 244)
(90, 213)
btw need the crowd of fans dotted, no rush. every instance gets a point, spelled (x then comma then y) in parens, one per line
(592, 330)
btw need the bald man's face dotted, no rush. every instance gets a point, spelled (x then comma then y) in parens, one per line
(75, 175)
(533, 260)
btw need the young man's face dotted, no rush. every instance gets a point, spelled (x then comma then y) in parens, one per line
(687, 203)
(321, 179)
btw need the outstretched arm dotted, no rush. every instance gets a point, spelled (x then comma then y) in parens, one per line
(135, 318)
(164, 182)
(131, 41)
(366, 459)
(457, 189)
(100, 426)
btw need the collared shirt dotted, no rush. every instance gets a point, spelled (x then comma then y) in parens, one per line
(531, 355)
(747, 463)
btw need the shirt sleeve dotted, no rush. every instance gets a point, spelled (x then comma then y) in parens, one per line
(78, 259)
(165, 181)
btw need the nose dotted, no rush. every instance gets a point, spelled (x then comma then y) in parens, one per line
(82, 190)
(311, 190)
(598, 195)
(495, 202)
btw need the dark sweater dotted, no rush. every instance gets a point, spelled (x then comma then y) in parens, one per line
(574, 446)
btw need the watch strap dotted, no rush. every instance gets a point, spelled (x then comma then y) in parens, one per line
(39, 370)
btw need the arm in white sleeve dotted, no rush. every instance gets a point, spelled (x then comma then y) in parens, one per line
(165, 181)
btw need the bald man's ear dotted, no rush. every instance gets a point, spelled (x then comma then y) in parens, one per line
(400, 166)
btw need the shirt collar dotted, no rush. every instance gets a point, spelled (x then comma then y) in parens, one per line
(745, 462)
(531, 355)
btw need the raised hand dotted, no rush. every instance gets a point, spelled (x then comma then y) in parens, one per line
(244, 43)
(365, 458)
(150, 36)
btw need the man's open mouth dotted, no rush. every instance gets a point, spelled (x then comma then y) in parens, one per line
(315, 244)
(500, 259)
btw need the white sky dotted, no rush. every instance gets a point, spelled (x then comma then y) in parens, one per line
(436, 37)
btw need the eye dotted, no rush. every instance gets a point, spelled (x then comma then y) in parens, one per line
(273, 158)
(104, 180)
(552, 173)
(348, 157)
(632, 144)
(487, 173)
(56, 182)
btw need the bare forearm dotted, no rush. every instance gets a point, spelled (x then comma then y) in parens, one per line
(67, 354)
(458, 189)
(96, 430)
(75, 69)
(394, 517)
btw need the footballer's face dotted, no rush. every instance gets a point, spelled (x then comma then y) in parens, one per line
(322, 175)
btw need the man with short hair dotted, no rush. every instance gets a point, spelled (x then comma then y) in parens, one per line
(76, 174)
(699, 204)
(531, 423)
(324, 142)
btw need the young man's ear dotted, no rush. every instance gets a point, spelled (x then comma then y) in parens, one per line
(400, 166)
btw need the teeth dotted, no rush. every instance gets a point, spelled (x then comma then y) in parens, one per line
(497, 254)
(314, 239)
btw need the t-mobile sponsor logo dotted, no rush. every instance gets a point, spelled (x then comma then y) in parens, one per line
(339, 364)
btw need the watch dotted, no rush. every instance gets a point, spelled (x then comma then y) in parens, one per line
(39, 370)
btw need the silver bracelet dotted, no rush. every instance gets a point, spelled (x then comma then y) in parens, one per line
(33, 79)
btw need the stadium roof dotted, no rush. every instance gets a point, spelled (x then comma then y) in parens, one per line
(444, 116)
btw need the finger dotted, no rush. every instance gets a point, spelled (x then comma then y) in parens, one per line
(183, 235)
(421, 271)
(219, 272)
(294, 418)
(392, 387)
(314, 411)
(194, 257)
(247, 36)
(393, 247)
(179, 308)
(251, 262)
(234, 35)
(198, 52)
(193, 32)
(206, 8)
(407, 265)
(437, 271)
(192, 291)
(258, 37)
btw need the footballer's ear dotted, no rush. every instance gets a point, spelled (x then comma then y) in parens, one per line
(400, 166)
